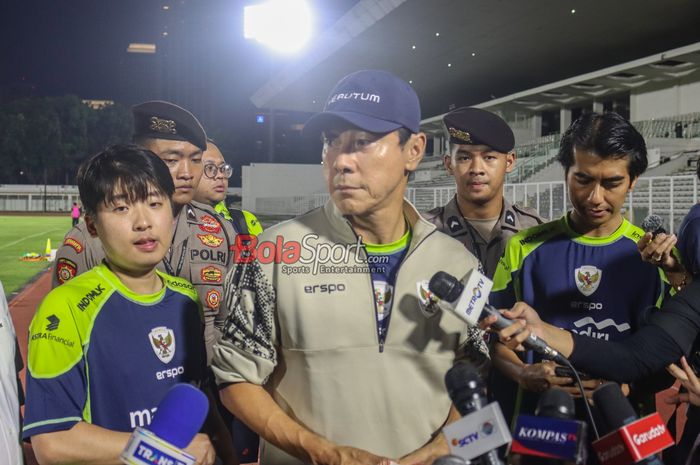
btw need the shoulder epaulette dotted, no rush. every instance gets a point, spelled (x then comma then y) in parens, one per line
(531, 214)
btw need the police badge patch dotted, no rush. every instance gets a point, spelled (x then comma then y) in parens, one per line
(65, 270)
(213, 299)
(190, 215)
(209, 224)
(510, 218)
(162, 340)
(454, 224)
(587, 279)
(427, 301)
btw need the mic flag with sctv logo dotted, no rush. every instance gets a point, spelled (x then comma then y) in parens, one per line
(478, 433)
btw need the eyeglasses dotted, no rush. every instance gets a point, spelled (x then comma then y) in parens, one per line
(211, 170)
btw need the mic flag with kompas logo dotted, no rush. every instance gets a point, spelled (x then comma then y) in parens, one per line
(163, 342)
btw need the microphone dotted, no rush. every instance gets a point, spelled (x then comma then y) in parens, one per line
(552, 435)
(450, 460)
(482, 428)
(468, 301)
(633, 440)
(653, 224)
(178, 418)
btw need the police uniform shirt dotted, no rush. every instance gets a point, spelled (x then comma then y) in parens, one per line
(450, 220)
(201, 253)
(78, 253)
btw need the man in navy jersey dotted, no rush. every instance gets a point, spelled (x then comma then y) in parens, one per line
(106, 346)
(583, 272)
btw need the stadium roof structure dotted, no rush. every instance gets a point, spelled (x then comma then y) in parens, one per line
(655, 70)
(469, 52)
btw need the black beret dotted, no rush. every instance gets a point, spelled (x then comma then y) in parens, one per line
(165, 120)
(475, 126)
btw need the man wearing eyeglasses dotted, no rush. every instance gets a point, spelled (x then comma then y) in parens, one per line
(212, 191)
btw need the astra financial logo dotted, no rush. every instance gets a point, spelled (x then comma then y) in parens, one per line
(53, 323)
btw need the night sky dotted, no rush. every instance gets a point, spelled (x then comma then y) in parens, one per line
(58, 47)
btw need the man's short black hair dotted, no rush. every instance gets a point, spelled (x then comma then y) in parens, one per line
(606, 135)
(404, 135)
(122, 169)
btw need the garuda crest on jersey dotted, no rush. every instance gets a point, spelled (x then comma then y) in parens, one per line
(427, 301)
(163, 343)
(587, 279)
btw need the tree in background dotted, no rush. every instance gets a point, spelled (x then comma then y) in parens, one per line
(43, 140)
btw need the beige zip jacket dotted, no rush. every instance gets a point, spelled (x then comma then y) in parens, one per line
(306, 330)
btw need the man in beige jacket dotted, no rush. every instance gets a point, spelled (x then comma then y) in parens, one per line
(335, 352)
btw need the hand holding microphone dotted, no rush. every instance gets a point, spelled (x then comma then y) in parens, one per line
(469, 302)
(656, 246)
(172, 437)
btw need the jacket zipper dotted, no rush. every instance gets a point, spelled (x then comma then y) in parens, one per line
(380, 340)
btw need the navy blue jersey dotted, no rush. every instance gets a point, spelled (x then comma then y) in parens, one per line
(102, 354)
(596, 286)
(384, 262)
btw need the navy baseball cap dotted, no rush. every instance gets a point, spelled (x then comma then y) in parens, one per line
(474, 126)
(373, 100)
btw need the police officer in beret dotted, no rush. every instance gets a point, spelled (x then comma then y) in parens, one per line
(480, 154)
(202, 244)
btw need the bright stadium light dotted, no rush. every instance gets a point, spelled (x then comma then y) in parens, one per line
(283, 25)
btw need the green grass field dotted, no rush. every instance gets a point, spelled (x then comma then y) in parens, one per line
(21, 234)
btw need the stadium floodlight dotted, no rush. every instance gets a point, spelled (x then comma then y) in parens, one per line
(141, 48)
(283, 25)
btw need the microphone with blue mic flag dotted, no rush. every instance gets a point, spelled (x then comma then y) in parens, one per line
(178, 418)
(552, 435)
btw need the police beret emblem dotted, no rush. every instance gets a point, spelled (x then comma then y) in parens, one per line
(163, 126)
(463, 136)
